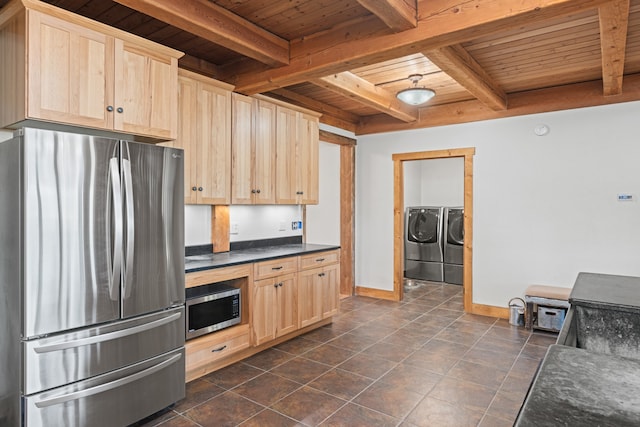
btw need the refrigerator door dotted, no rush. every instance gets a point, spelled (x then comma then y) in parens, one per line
(153, 242)
(69, 357)
(112, 399)
(70, 254)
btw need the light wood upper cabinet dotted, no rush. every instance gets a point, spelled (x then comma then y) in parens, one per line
(204, 132)
(67, 69)
(145, 91)
(308, 165)
(296, 157)
(286, 161)
(253, 138)
(71, 73)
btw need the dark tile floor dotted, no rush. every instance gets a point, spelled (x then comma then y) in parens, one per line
(420, 362)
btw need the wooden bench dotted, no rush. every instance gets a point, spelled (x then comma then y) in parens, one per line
(537, 296)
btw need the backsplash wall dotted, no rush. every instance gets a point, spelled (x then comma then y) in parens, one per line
(247, 222)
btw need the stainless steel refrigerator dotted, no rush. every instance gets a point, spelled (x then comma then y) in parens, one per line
(91, 279)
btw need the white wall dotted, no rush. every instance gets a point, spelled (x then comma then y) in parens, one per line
(323, 219)
(442, 182)
(545, 208)
(434, 182)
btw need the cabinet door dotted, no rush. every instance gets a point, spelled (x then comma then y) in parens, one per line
(286, 176)
(188, 135)
(146, 93)
(70, 73)
(330, 291)
(264, 148)
(214, 158)
(308, 160)
(309, 297)
(287, 308)
(242, 134)
(264, 310)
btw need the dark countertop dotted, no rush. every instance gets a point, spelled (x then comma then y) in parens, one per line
(575, 387)
(606, 291)
(250, 255)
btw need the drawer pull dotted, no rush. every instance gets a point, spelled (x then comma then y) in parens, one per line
(320, 260)
(215, 350)
(276, 268)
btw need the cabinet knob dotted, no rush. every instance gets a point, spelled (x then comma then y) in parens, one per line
(200, 188)
(275, 285)
(120, 110)
(109, 108)
(258, 191)
(194, 188)
(253, 191)
(321, 275)
(280, 284)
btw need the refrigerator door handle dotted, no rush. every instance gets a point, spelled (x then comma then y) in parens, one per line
(108, 386)
(65, 345)
(128, 192)
(116, 190)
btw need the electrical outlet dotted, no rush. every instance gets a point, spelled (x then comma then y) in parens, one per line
(234, 228)
(294, 225)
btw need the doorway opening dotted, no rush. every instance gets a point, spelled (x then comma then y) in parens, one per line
(399, 209)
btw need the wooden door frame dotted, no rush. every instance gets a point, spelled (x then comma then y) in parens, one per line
(347, 208)
(398, 217)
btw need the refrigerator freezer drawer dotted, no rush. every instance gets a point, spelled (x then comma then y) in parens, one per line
(113, 399)
(62, 359)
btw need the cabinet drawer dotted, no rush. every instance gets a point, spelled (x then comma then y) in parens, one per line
(276, 267)
(319, 259)
(215, 346)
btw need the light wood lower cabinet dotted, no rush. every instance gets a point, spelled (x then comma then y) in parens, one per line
(208, 349)
(318, 287)
(282, 298)
(275, 303)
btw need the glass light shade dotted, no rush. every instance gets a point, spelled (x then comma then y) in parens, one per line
(415, 95)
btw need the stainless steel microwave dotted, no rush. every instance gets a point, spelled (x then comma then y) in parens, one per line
(210, 308)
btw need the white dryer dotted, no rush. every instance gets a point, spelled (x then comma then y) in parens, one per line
(453, 245)
(423, 243)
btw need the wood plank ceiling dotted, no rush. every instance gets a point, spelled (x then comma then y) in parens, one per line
(348, 58)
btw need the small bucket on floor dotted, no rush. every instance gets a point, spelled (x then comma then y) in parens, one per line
(516, 311)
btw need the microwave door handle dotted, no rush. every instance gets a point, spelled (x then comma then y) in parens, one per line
(65, 345)
(116, 261)
(107, 386)
(128, 192)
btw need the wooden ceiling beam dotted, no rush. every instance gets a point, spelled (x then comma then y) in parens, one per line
(218, 25)
(399, 15)
(614, 20)
(334, 138)
(361, 90)
(578, 95)
(458, 64)
(440, 23)
(330, 115)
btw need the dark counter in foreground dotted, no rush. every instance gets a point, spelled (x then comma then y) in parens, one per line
(575, 387)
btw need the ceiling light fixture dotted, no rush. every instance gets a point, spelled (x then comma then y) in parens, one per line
(415, 95)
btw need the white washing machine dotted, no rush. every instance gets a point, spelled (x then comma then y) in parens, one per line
(453, 245)
(423, 243)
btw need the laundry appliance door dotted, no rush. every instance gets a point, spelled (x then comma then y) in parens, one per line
(423, 225)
